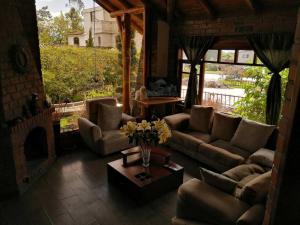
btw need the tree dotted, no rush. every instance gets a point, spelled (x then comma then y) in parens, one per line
(253, 105)
(74, 19)
(44, 19)
(134, 57)
(59, 30)
(90, 41)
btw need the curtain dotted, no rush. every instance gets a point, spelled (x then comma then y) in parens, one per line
(195, 49)
(274, 51)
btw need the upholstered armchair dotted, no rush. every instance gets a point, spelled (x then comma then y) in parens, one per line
(100, 130)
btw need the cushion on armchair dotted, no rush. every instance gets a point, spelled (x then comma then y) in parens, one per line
(256, 190)
(224, 126)
(109, 117)
(251, 135)
(263, 157)
(217, 180)
(201, 118)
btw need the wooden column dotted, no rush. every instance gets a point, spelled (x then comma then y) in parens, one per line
(146, 42)
(124, 24)
(201, 82)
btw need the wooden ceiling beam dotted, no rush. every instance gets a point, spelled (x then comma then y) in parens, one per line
(136, 21)
(137, 10)
(208, 8)
(253, 5)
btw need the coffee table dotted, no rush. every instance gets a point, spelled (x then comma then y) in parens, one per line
(144, 184)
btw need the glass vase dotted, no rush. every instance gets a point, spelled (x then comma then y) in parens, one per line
(145, 154)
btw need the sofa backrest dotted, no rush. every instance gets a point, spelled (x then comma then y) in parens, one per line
(92, 106)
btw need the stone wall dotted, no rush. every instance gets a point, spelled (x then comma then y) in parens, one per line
(19, 27)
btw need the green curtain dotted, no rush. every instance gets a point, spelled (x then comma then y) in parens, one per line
(274, 51)
(195, 48)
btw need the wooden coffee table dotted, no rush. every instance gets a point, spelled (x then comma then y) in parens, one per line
(144, 184)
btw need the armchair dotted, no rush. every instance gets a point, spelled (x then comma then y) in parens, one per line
(102, 141)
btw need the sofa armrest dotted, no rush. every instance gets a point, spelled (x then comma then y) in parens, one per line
(253, 216)
(89, 131)
(177, 121)
(126, 118)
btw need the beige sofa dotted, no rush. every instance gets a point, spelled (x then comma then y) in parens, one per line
(219, 140)
(100, 130)
(235, 197)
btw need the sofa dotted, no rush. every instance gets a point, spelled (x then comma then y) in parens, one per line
(234, 197)
(219, 140)
(100, 130)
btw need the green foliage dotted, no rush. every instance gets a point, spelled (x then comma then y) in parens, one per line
(90, 41)
(54, 30)
(253, 105)
(73, 73)
(59, 30)
(74, 19)
(134, 55)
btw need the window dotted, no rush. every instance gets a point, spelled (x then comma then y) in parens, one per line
(227, 56)
(99, 41)
(92, 15)
(76, 41)
(245, 56)
(225, 76)
(212, 55)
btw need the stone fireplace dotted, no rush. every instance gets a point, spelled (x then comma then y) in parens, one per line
(32, 143)
(26, 130)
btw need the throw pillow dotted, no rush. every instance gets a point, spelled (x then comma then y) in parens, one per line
(109, 117)
(251, 135)
(224, 126)
(201, 118)
(240, 172)
(256, 190)
(217, 180)
(264, 157)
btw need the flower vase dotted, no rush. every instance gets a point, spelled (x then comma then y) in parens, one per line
(145, 154)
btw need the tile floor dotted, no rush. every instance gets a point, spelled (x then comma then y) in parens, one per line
(75, 192)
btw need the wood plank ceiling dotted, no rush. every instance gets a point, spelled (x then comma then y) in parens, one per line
(198, 9)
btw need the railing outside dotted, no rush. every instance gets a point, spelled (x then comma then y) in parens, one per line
(223, 99)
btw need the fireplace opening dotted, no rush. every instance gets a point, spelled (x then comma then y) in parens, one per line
(36, 148)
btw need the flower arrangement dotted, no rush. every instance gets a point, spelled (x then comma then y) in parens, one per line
(146, 134)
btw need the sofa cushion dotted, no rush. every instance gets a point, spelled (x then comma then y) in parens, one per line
(178, 121)
(251, 135)
(201, 118)
(217, 180)
(263, 156)
(202, 202)
(231, 148)
(256, 190)
(201, 136)
(240, 172)
(220, 155)
(187, 140)
(113, 141)
(109, 117)
(224, 126)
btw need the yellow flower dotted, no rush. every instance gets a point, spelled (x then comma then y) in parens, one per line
(164, 133)
(158, 124)
(144, 125)
(129, 129)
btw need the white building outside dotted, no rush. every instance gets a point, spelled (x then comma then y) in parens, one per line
(104, 30)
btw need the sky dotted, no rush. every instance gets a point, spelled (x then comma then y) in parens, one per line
(56, 6)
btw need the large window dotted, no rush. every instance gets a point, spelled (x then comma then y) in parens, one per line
(225, 78)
